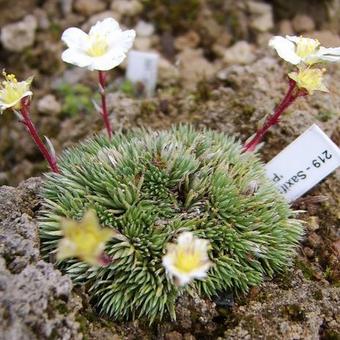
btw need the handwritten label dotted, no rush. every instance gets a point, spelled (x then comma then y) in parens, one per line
(142, 68)
(303, 163)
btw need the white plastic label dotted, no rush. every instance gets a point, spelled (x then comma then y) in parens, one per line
(142, 67)
(303, 163)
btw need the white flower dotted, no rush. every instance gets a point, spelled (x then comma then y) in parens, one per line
(188, 259)
(102, 49)
(298, 50)
(309, 79)
(85, 239)
(12, 91)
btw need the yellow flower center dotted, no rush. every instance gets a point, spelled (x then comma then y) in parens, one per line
(12, 91)
(309, 79)
(87, 241)
(84, 239)
(98, 46)
(187, 261)
(305, 47)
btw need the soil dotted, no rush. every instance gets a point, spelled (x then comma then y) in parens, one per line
(232, 97)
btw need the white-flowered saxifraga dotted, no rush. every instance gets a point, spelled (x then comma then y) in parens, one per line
(301, 50)
(84, 239)
(188, 259)
(309, 79)
(102, 49)
(13, 91)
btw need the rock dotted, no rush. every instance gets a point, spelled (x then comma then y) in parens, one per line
(188, 336)
(71, 76)
(262, 39)
(262, 16)
(20, 35)
(11, 11)
(239, 53)
(43, 21)
(144, 29)
(305, 310)
(189, 40)
(31, 291)
(326, 38)
(259, 8)
(187, 307)
(173, 336)
(285, 28)
(66, 6)
(314, 240)
(224, 39)
(167, 73)
(20, 200)
(336, 247)
(218, 50)
(3, 178)
(193, 67)
(309, 252)
(142, 43)
(89, 7)
(49, 105)
(263, 23)
(313, 223)
(99, 17)
(28, 303)
(303, 23)
(128, 8)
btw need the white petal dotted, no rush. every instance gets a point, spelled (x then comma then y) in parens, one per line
(330, 50)
(183, 280)
(329, 54)
(185, 238)
(76, 57)
(200, 273)
(168, 261)
(107, 61)
(201, 245)
(126, 39)
(105, 27)
(121, 41)
(285, 49)
(4, 106)
(75, 38)
(293, 38)
(329, 58)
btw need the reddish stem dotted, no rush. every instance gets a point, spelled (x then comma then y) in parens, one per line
(291, 95)
(34, 134)
(105, 114)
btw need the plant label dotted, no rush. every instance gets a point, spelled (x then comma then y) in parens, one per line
(142, 69)
(303, 163)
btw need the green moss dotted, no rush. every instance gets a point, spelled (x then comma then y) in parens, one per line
(294, 312)
(172, 15)
(150, 187)
(203, 91)
(76, 99)
(306, 269)
(83, 325)
(317, 295)
(324, 116)
(128, 88)
(62, 308)
(147, 108)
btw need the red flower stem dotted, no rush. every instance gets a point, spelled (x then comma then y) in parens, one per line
(34, 134)
(105, 114)
(292, 93)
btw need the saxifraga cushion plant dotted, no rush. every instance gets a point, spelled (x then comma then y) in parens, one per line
(151, 186)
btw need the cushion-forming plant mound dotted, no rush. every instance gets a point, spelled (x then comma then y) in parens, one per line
(151, 186)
